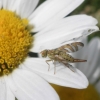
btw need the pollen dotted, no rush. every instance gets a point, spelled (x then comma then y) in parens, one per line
(15, 41)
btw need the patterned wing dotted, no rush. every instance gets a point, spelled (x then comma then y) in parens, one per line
(65, 62)
(72, 47)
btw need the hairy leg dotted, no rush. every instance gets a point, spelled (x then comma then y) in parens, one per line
(69, 66)
(48, 64)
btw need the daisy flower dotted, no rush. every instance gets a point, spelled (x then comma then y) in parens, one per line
(27, 78)
(91, 69)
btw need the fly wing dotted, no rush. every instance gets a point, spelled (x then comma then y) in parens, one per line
(69, 66)
(65, 62)
(72, 47)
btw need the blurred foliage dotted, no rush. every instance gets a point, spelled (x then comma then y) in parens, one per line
(89, 7)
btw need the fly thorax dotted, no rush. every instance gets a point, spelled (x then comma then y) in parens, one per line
(56, 51)
(51, 54)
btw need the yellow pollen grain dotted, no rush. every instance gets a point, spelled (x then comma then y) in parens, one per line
(15, 41)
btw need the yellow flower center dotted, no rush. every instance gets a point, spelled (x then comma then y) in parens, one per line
(15, 41)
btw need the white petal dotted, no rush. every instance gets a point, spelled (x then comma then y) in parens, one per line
(83, 55)
(0, 4)
(59, 37)
(52, 11)
(22, 7)
(9, 94)
(11, 4)
(69, 23)
(98, 86)
(28, 86)
(64, 76)
(95, 76)
(4, 3)
(92, 56)
(26, 7)
(5, 92)
(80, 54)
(2, 89)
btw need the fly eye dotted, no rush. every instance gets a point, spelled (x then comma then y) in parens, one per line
(42, 54)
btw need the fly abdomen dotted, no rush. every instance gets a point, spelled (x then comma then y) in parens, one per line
(66, 56)
(69, 58)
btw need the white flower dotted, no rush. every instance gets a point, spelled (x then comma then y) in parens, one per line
(27, 78)
(91, 69)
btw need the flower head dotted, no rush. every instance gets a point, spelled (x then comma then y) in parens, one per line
(15, 41)
(27, 78)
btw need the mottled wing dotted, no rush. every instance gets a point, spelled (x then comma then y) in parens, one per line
(72, 47)
(65, 62)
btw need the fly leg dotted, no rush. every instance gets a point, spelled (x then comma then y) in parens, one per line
(61, 60)
(56, 59)
(69, 66)
(48, 64)
(54, 62)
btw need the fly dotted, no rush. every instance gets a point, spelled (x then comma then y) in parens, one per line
(61, 55)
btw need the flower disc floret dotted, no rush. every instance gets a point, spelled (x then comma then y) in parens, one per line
(15, 41)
